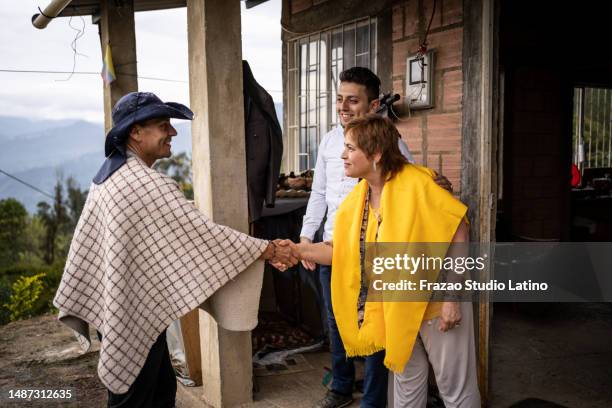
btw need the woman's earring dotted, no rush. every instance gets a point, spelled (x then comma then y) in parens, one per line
(374, 166)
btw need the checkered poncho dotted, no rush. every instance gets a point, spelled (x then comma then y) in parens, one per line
(141, 257)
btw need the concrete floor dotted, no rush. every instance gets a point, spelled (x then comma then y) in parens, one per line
(558, 353)
(298, 390)
(561, 353)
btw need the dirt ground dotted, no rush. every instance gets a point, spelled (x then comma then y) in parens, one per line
(43, 353)
(557, 353)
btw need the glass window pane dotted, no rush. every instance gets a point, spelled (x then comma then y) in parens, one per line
(303, 68)
(303, 150)
(336, 53)
(323, 65)
(349, 46)
(312, 98)
(302, 111)
(363, 38)
(363, 60)
(323, 114)
(314, 147)
(313, 52)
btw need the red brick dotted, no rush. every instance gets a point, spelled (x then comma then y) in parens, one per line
(448, 45)
(412, 133)
(401, 51)
(411, 18)
(436, 22)
(398, 86)
(298, 6)
(451, 168)
(453, 90)
(452, 12)
(398, 23)
(434, 163)
(444, 132)
(444, 140)
(444, 121)
(418, 158)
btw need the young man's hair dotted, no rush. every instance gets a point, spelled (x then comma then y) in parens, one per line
(365, 77)
(375, 134)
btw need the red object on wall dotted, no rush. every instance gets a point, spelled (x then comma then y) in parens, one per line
(576, 178)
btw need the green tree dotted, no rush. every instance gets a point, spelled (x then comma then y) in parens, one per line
(75, 202)
(13, 224)
(179, 168)
(56, 221)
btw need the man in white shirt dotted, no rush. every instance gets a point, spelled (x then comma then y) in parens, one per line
(357, 95)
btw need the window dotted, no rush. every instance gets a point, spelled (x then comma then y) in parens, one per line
(592, 141)
(314, 63)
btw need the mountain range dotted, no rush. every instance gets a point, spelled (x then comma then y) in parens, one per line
(40, 151)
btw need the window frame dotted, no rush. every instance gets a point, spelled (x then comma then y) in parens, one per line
(306, 125)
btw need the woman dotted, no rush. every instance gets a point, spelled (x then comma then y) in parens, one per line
(397, 202)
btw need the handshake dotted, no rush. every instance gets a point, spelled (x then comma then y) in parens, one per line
(285, 254)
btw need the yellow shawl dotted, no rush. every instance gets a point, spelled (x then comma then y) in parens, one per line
(414, 209)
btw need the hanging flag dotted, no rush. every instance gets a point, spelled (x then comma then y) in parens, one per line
(108, 70)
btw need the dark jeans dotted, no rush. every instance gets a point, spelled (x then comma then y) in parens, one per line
(343, 368)
(155, 386)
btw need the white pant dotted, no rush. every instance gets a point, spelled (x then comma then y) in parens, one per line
(453, 358)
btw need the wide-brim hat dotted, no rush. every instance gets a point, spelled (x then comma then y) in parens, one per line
(137, 107)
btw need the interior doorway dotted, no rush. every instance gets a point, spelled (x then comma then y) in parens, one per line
(555, 122)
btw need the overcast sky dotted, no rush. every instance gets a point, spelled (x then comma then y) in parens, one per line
(161, 39)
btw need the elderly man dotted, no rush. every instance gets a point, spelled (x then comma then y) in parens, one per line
(142, 256)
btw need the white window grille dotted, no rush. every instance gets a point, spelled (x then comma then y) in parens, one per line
(314, 63)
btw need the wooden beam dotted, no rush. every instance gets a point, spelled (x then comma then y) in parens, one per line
(117, 29)
(191, 344)
(478, 190)
(219, 167)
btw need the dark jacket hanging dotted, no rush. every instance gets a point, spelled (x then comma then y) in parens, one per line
(264, 144)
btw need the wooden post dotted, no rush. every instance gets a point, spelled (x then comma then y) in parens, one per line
(117, 29)
(219, 168)
(478, 169)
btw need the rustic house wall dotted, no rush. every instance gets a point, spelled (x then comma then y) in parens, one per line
(433, 135)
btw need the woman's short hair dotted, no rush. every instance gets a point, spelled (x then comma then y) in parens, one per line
(375, 134)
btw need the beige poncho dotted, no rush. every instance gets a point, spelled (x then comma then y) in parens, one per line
(141, 257)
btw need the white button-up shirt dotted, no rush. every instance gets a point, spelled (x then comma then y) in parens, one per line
(330, 185)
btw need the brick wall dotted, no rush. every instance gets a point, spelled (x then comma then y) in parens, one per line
(433, 135)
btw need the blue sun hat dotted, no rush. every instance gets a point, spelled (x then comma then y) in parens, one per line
(135, 107)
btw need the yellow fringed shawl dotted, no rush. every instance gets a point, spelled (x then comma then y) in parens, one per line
(414, 209)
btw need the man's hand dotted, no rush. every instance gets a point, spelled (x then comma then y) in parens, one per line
(309, 265)
(450, 316)
(443, 182)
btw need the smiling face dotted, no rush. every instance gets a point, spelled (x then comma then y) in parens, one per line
(356, 162)
(153, 139)
(352, 102)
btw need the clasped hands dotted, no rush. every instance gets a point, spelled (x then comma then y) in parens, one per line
(286, 254)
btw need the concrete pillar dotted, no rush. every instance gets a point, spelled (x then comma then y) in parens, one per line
(219, 169)
(117, 29)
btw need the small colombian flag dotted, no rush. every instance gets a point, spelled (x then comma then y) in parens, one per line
(108, 70)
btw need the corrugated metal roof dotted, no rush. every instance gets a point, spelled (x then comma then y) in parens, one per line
(89, 7)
